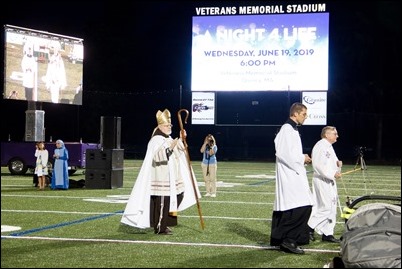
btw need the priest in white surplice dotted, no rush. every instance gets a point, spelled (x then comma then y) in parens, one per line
(293, 198)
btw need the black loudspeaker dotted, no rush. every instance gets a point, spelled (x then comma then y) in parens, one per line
(103, 178)
(104, 168)
(104, 159)
(110, 132)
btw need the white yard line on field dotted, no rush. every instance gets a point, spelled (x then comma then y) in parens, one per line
(159, 243)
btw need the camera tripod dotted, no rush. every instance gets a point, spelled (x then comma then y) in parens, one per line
(360, 165)
(363, 167)
(360, 160)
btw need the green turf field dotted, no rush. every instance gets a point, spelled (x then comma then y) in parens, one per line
(80, 228)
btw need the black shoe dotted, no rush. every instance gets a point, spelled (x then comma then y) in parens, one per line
(330, 238)
(311, 236)
(291, 247)
(166, 232)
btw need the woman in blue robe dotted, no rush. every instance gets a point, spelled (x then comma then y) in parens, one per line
(60, 168)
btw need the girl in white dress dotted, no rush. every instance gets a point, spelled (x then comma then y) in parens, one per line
(42, 157)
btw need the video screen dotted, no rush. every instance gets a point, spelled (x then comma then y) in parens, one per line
(42, 67)
(274, 52)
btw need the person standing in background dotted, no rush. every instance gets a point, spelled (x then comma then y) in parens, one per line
(164, 184)
(209, 164)
(30, 73)
(13, 95)
(41, 170)
(326, 167)
(293, 198)
(78, 95)
(60, 178)
(56, 74)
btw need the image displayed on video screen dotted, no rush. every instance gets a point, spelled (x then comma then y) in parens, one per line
(42, 67)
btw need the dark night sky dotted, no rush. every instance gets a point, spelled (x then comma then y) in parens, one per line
(137, 55)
